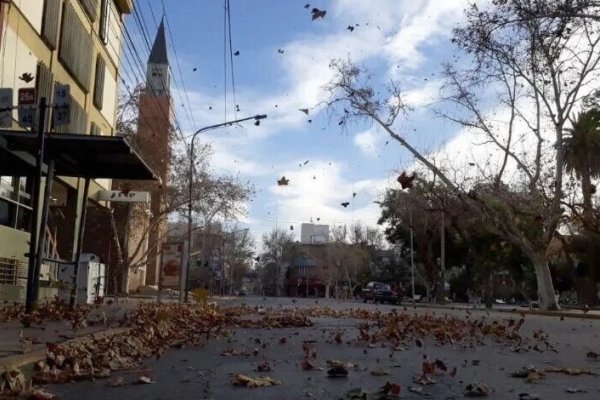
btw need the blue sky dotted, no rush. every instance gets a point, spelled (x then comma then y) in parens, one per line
(405, 40)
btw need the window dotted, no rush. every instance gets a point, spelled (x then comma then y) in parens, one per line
(75, 51)
(99, 82)
(15, 202)
(91, 8)
(50, 23)
(104, 20)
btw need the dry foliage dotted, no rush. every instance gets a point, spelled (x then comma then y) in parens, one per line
(51, 311)
(253, 382)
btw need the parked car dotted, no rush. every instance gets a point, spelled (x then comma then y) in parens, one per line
(379, 292)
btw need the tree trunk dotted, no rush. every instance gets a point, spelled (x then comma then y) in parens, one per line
(586, 188)
(489, 291)
(544, 282)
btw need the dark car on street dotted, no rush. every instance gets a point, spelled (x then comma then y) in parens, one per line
(379, 292)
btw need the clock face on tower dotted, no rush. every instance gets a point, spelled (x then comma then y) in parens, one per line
(158, 78)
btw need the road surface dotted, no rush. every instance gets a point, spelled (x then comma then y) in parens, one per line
(204, 373)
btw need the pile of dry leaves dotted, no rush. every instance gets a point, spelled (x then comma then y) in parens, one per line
(51, 311)
(152, 330)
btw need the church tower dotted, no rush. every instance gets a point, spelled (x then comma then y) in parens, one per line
(158, 75)
(154, 132)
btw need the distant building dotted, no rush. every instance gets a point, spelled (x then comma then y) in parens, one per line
(314, 234)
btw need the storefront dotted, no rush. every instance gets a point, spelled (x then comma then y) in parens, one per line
(74, 162)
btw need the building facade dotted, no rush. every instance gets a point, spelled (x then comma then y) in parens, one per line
(44, 43)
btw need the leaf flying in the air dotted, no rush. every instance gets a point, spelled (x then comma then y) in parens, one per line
(316, 13)
(26, 77)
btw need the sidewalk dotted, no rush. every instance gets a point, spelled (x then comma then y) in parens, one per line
(513, 309)
(20, 346)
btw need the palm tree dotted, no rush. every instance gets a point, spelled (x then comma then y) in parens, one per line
(582, 156)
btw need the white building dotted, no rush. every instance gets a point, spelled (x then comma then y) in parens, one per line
(312, 233)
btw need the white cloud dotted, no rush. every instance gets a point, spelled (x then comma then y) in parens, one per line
(311, 195)
(435, 18)
(368, 142)
(424, 95)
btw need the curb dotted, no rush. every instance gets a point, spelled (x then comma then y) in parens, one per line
(21, 360)
(565, 314)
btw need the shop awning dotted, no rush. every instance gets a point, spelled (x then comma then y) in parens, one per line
(75, 155)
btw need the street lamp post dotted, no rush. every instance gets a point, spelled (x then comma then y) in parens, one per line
(191, 187)
(412, 260)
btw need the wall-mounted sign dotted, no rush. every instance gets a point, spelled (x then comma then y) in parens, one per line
(62, 105)
(27, 107)
(124, 197)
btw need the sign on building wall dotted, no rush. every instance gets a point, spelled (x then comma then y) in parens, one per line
(124, 197)
(171, 265)
(27, 107)
(62, 105)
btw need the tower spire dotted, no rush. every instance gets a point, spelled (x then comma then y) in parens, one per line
(159, 55)
(158, 75)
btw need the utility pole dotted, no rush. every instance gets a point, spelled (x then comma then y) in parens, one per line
(443, 253)
(33, 276)
(412, 259)
(257, 118)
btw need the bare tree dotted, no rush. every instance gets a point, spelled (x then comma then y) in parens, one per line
(539, 60)
(366, 235)
(237, 255)
(274, 244)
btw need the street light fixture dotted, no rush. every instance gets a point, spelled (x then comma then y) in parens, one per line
(257, 118)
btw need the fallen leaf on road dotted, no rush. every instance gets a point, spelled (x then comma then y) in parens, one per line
(263, 367)
(12, 381)
(379, 372)
(593, 355)
(428, 367)
(335, 363)
(524, 372)
(39, 394)
(528, 396)
(534, 376)
(392, 388)
(575, 390)
(338, 338)
(570, 371)
(439, 364)
(424, 380)
(476, 390)
(253, 382)
(453, 372)
(145, 379)
(307, 365)
(337, 372)
(116, 381)
(418, 390)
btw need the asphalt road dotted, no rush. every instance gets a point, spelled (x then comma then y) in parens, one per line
(203, 373)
